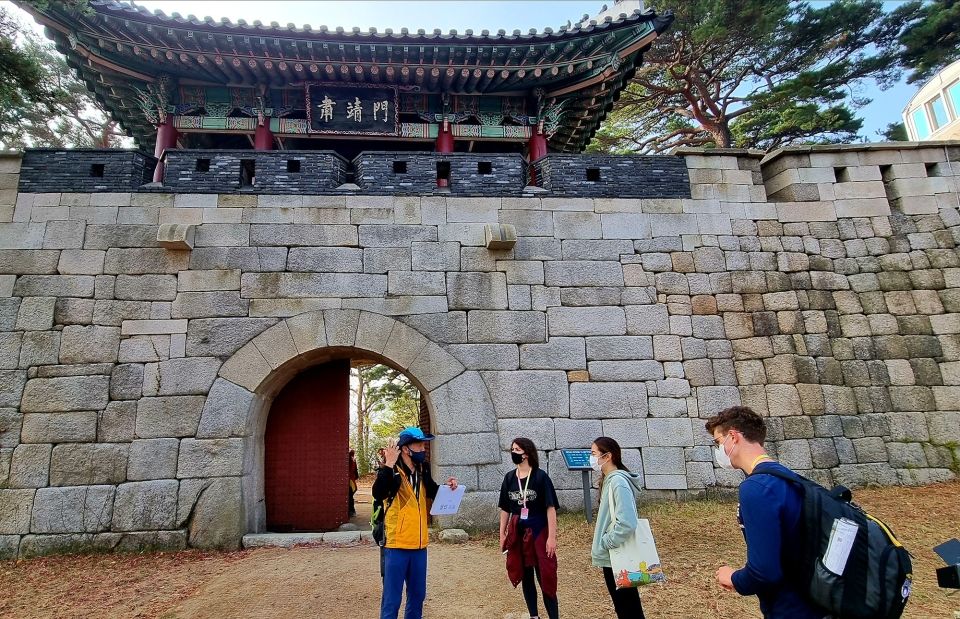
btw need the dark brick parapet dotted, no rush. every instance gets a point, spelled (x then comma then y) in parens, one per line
(608, 176)
(45, 170)
(374, 173)
(242, 171)
(416, 173)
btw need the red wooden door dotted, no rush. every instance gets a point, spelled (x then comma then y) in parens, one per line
(305, 461)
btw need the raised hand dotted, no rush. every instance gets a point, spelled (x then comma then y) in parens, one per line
(391, 453)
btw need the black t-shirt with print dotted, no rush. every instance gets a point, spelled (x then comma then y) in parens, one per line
(540, 495)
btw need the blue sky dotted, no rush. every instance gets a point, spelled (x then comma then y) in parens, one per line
(491, 15)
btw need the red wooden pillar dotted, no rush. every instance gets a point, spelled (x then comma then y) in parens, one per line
(167, 136)
(263, 138)
(444, 145)
(537, 147)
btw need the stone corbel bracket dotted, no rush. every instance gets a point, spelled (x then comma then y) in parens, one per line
(499, 236)
(176, 236)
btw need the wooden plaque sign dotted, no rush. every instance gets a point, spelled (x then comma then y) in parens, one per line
(352, 110)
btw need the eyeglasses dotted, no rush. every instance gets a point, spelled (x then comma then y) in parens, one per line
(718, 443)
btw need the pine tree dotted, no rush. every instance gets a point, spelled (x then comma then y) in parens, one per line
(756, 74)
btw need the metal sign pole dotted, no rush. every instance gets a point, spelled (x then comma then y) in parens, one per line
(579, 460)
(587, 509)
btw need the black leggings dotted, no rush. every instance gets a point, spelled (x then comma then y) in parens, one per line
(626, 602)
(530, 594)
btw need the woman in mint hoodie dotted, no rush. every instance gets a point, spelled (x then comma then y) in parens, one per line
(614, 527)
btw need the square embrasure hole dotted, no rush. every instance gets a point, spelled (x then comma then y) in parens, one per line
(293, 166)
(443, 170)
(97, 169)
(248, 172)
(399, 167)
(593, 175)
(203, 165)
(484, 167)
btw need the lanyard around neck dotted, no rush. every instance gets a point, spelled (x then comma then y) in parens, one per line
(759, 459)
(523, 487)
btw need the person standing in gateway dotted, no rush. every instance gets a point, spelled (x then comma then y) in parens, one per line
(405, 486)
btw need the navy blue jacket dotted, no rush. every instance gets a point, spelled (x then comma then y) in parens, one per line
(769, 516)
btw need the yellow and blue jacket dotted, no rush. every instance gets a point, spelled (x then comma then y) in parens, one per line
(407, 509)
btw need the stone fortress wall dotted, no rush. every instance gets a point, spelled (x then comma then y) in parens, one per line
(820, 286)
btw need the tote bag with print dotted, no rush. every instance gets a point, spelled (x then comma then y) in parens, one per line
(636, 562)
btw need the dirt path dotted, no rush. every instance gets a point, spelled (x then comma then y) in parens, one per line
(305, 590)
(464, 582)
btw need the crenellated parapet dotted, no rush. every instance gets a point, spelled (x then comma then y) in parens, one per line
(864, 180)
(812, 183)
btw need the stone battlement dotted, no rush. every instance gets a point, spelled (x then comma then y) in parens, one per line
(145, 331)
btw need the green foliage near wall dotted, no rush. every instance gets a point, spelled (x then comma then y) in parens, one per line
(42, 102)
(757, 74)
(932, 41)
(384, 402)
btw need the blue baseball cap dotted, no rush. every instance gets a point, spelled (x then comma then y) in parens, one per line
(412, 435)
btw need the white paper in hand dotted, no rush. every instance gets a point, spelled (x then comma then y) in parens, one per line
(447, 501)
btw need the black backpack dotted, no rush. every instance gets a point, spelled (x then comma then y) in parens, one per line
(377, 516)
(876, 580)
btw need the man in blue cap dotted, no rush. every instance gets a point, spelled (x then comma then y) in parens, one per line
(405, 486)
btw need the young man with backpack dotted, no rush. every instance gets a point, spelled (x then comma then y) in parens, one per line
(811, 552)
(770, 518)
(405, 488)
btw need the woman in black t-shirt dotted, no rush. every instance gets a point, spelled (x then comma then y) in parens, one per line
(528, 527)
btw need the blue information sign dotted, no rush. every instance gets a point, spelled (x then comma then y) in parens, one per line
(577, 459)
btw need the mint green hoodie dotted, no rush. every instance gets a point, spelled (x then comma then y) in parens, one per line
(624, 486)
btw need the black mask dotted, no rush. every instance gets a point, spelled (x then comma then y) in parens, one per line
(517, 458)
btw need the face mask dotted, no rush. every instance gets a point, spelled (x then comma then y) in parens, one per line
(418, 456)
(517, 458)
(595, 463)
(721, 456)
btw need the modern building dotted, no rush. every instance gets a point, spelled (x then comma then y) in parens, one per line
(934, 112)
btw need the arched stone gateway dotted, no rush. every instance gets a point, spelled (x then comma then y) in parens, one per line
(238, 405)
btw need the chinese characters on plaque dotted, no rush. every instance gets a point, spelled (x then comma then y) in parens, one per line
(356, 110)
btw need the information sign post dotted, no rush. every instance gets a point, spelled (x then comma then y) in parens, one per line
(579, 460)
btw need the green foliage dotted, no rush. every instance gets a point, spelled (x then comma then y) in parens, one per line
(21, 72)
(385, 402)
(42, 102)
(755, 74)
(895, 132)
(932, 41)
(401, 412)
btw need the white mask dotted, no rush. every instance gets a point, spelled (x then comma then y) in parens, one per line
(721, 456)
(595, 463)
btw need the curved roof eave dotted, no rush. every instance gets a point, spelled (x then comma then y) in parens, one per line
(124, 10)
